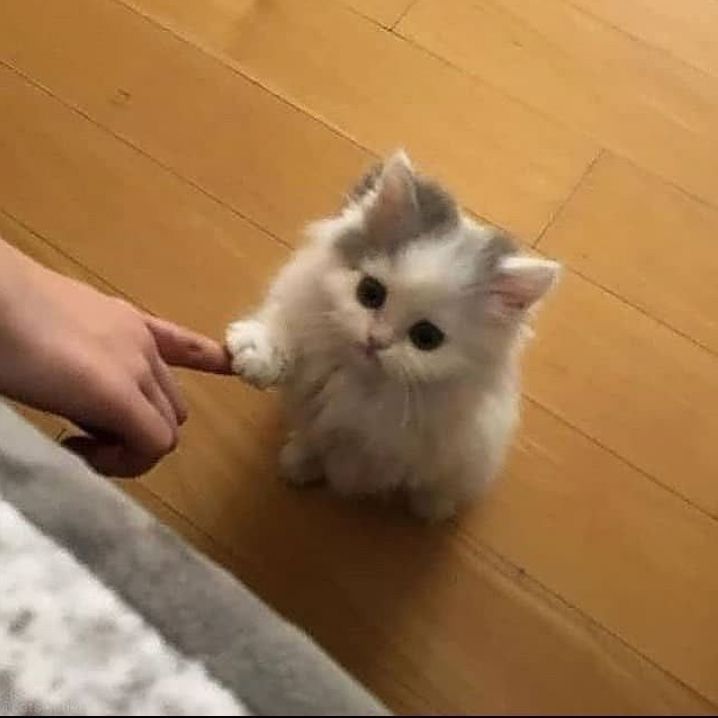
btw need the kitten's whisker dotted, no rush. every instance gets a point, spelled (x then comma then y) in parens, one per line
(414, 374)
(406, 413)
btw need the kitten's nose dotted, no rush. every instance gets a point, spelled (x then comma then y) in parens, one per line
(376, 342)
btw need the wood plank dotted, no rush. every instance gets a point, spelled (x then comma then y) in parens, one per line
(687, 29)
(276, 166)
(385, 12)
(426, 618)
(507, 163)
(646, 241)
(220, 260)
(632, 556)
(42, 251)
(632, 384)
(637, 101)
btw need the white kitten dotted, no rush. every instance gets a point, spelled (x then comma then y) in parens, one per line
(395, 336)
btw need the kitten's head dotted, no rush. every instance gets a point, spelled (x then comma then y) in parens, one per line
(417, 290)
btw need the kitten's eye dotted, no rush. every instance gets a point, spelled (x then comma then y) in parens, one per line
(371, 293)
(426, 336)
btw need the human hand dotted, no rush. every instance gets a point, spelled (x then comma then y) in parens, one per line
(98, 361)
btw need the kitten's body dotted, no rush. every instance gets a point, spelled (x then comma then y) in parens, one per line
(370, 411)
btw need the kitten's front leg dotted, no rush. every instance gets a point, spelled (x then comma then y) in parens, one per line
(434, 503)
(258, 353)
(298, 463)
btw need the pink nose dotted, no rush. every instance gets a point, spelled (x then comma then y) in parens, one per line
(375, 344)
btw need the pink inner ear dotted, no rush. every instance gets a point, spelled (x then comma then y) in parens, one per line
(513, 302)
(511, 291)
(521, 285)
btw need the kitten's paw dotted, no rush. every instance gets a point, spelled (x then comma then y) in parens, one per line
(254, 357)
(432, 505)
(298, 466)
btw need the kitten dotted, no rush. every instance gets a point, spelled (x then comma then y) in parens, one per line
(395, 336)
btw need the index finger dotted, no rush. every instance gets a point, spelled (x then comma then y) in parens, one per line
(180, 346)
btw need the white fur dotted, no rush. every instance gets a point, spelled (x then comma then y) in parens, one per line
(436, 423)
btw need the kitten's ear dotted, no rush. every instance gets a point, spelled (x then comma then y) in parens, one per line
(519, 282)
(394, 214)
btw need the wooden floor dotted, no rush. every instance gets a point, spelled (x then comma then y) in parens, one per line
(171, 150)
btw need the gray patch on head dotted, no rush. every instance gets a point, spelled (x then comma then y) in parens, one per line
(497, 246)
(352, 246)
(436, 210)
(483, 248)
(366, 184)
(436, 206)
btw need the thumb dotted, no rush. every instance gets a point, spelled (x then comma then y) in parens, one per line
(108, 459)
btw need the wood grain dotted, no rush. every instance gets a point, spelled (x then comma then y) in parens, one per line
(631, 384)
(218, 259)
(189, 111)
(686, 30)
(645, 241)
(608, 540)
(385, 12)
(586, 74)
(509, 164)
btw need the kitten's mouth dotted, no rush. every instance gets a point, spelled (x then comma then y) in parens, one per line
(367, 352)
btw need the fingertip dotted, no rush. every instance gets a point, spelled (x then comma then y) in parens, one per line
(183, 347)
(204, 354)
(220, 361)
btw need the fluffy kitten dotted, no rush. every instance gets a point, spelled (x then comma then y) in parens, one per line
(395, 336)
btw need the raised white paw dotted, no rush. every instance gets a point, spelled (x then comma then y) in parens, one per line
(254, 357)
(432, 505)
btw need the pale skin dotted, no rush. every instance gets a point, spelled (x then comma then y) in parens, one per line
(99, 361)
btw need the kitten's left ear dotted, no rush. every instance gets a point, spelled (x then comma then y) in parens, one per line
(394, 214)
(519, 282)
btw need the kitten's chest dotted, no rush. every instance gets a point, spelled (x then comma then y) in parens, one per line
(336, 398)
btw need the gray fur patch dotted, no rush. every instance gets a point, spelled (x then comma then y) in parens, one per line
(353, 247)
(499, 245)
(366, 184)
(436, 207)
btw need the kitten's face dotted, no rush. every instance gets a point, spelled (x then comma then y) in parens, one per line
(418, 292)
(406, 315)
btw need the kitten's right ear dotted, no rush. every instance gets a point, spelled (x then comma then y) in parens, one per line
(394, 215)
(519, 282)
